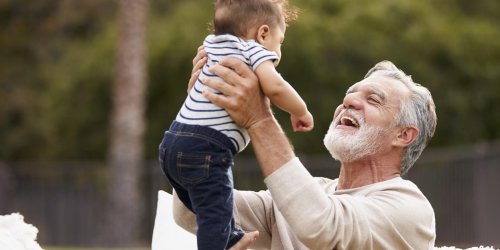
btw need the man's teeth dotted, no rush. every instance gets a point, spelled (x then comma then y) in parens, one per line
(349, 121)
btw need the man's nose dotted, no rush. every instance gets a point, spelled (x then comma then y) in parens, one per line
(352, 100)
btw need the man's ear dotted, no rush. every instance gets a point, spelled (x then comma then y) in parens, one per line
(405, 136)
(263, 33)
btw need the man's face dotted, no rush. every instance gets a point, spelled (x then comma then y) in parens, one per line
(363, 125)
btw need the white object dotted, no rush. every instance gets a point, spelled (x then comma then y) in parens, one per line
(470, 248)
(167, 234)
(15, 234)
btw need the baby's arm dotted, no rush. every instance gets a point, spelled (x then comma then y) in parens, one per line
(283, 95)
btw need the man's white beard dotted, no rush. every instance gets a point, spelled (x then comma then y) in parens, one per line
(349, 147)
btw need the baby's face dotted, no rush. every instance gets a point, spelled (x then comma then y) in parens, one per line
(277, 36)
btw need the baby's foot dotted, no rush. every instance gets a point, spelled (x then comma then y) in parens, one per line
(245, 241)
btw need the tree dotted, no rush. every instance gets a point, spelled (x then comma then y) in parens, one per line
(126, 157)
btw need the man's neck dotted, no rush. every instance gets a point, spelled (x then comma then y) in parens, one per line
(365, 172)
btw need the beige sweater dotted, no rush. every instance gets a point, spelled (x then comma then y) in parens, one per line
(302, 212)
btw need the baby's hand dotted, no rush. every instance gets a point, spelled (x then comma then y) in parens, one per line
(302, 123)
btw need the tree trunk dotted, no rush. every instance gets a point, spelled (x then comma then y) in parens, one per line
(126, 156)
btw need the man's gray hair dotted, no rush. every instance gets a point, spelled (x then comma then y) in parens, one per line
(418, 110)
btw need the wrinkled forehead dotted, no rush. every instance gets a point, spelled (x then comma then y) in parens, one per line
(382, 85)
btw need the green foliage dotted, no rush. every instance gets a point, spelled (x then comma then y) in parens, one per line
(74, 108)
(56, 66)
(54, 73)
(175, 34)
(452, 53)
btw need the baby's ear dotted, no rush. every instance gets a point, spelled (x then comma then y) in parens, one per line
(405, 136)
(263, 33)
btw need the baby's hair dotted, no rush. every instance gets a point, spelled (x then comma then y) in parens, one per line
(236, 17)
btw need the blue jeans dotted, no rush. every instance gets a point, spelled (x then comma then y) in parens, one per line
(197, 161)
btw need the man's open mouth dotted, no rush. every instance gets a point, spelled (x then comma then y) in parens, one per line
(348, 121)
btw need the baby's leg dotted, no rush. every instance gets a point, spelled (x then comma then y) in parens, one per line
(212, 201)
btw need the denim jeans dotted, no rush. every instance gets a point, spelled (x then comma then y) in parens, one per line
(197, 161)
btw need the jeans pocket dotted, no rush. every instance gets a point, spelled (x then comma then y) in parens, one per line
(193, 168)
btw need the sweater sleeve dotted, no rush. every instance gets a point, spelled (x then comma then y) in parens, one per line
(253, 211)
(304, 204)
(386, 218)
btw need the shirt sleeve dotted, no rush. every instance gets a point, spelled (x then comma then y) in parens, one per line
(386, 220)
(253, 211)
(257, 54)
(303, 203)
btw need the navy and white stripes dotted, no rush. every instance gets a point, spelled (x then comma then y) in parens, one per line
(197, 110)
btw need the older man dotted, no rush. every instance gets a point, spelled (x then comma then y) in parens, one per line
(377, 133)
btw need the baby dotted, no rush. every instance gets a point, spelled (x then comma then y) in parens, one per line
(197, 151)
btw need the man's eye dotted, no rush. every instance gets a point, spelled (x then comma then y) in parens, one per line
(374, 100)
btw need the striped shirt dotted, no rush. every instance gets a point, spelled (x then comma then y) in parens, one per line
(197, 110)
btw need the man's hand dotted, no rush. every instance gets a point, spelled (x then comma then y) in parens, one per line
(245, 102)
(242, 97)
(198, 61)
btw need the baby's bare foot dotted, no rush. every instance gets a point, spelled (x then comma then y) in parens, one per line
(245, 241)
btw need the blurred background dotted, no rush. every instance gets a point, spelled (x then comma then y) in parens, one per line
(87, 89)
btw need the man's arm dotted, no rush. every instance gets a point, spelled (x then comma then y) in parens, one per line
(270, 144)
(299, 197)
(253, 211)
(243, 99)
(182, 215)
